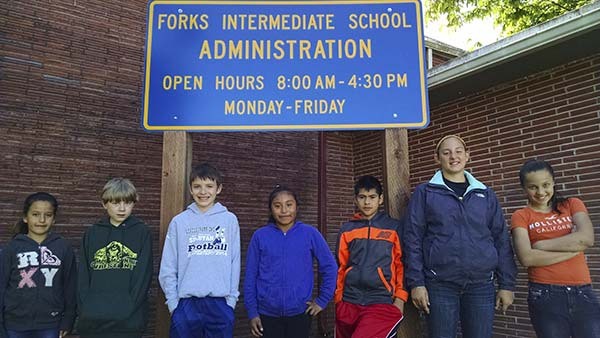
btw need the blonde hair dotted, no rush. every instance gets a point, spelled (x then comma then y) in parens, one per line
(437, 146)
(119, 189)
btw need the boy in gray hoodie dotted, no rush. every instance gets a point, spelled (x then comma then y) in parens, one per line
(200, 266)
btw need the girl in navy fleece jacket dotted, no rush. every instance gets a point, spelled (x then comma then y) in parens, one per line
(279, 272)
(457, 248)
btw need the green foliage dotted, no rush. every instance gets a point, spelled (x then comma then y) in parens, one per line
(511, 15)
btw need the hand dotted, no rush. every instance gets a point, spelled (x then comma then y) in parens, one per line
(63, 333)
(256, 327)
(313, 308)
(504, 299)
(399, 303)
(420, 298)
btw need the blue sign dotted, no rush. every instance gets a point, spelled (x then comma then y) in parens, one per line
(279, 65)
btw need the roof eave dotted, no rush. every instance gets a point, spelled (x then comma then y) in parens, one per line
(535, 38)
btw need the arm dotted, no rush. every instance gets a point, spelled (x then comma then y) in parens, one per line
(579, 240)
(506, 271)
(167, 276)
(342, 255)
(535, 257)
(327, 271)
(398, 279)
(235, 266)
(69, 280)
(83, 280)
(252, 263)
(142, 272)
(414, 232)
(5, 260)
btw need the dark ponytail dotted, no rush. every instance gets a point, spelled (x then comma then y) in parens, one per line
(537, 165)
(21, 227)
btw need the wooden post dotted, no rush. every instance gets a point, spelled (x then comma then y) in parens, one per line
(397, 182)
(176, 165)
(396, 171)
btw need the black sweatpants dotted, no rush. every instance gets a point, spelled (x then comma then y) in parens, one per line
(286, 327)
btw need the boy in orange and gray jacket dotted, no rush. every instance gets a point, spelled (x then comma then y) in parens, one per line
(370, 295)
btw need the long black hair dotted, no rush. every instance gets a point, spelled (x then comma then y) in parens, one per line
(278, 190)
(21, 227)
(537, 165)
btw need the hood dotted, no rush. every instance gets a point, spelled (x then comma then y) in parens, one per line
(218, 208)
(128, 223)
(23, 238)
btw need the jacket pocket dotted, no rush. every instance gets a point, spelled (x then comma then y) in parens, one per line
(346, 272)
(270, 300)
(106, 306)
(19, 303)
(350, 276)
(383, 280)
(137, 320)
(53, 309)
(438, 254)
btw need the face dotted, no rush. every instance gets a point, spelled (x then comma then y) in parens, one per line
(204, 191)
(118, 211)
(452, 156)
(284, 209)
(368, 202)
(539, 187)
(39, 219)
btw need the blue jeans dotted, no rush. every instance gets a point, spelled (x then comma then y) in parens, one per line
(472, 304)
(45, 333)
(564, 311)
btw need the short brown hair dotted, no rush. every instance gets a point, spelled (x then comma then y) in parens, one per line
(206, 171)
(119, 189)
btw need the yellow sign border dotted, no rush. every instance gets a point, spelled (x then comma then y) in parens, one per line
(422, 72)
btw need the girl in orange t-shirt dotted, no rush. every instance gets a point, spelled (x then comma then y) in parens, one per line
(550, 235)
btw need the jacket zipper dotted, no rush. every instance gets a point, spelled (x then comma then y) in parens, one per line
(362, 271)
(461, 200)
(461, 230)
(284, 275)
(37, 289)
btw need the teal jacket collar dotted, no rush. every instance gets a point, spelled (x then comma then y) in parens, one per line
(438, 179)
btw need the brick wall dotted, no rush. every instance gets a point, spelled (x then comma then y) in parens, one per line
(253, 163)
(369, 152)
(553, 115)
(69, 113)
(439, 58)
(70, 82)
(349, 155)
